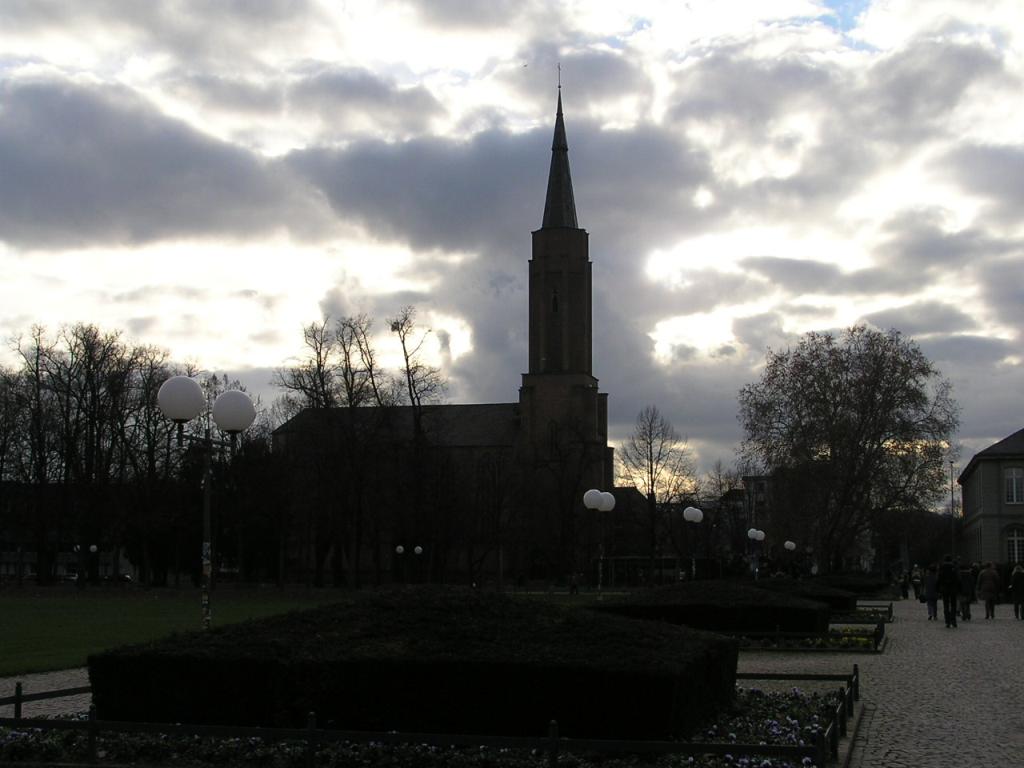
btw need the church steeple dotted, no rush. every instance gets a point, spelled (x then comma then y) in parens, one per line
(559, 207)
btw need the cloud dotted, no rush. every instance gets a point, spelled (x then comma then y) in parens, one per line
(923, 319)
(347, 97)
(992, 172)
(96, 164)
(482, 15)
(231, 33)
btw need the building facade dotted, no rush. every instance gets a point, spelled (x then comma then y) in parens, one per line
(992, 487)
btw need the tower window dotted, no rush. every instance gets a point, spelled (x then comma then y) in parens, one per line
(554, 300)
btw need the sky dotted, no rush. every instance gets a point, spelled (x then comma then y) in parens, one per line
(210, 177)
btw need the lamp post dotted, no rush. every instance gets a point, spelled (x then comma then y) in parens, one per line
(952, 512)
(181, 400)
(693, 515)
(756, 537)
(790, 546)
(599, 501)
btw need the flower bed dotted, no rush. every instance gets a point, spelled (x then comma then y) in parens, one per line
(842, 639)
(791, 718)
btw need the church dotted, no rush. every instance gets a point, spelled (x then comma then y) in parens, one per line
(478, 493)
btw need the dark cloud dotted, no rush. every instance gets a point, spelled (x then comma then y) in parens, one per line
(747, 93)
(762, 332)
(796, 275)
(226, 32)
(482, 195)
(917, 241)
(911, 93)
(98, 165)
(588, 76)
(346, 96)
(228, 94)
(995, 172)
(978, 353)
(923, 319)
(1003, 291)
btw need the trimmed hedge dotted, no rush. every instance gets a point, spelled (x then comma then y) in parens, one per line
(810, 589)
(723, 606)
(861, 584)
(429, 660)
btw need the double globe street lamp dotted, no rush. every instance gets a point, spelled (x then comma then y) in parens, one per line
(599, 501)
(400, 550)
(181, 399)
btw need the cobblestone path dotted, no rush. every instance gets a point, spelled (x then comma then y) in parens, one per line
(937, 697)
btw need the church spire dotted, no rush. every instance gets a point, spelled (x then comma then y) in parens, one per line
(559, 207)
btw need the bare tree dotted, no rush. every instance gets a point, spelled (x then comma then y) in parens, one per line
(313, 381)
(657, 461)
(423, 382)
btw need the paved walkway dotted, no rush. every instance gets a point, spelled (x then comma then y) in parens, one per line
(936, 697)
(47, 681)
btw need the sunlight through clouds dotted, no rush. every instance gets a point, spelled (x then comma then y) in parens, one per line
(212, 177)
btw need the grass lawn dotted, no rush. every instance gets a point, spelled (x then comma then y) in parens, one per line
(58, 627)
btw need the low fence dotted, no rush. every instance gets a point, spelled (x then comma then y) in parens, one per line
(826, 742)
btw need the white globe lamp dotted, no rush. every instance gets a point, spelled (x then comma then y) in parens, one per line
(233, 411)
(180, 398)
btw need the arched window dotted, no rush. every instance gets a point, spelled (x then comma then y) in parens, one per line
(1015, 545)
(554, 300)
(1014, 479)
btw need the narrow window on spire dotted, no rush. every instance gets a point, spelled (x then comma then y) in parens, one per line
(554, 301)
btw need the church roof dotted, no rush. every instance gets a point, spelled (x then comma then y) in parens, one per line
(559, 206)
(454, 426)
(1008, 447)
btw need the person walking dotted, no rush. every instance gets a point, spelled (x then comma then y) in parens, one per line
(931, 591)
(916, 580)
(1017, 591)
(988, 589)
(967, 581)
(948, 584)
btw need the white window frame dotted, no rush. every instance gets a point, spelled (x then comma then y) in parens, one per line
(1015, 545)
(1013, 485)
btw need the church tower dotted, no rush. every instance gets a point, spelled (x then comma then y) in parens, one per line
(559, 398)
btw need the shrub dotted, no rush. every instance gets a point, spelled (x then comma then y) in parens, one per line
(811, 589)
(723, 606)
(430, 660)
(861, 584)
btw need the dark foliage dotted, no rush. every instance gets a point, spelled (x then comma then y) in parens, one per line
(429, 660)
(862, 584)
(723, 606)
(812, 589)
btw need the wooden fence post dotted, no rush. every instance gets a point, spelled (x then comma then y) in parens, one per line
(821, 748)
(842, 712)
(553, 743)
(17, 700)
(92, 733)
(310, 742)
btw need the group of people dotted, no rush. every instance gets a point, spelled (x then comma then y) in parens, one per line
(959, 586)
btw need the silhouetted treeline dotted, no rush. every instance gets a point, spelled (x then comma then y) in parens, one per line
(86, 458)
